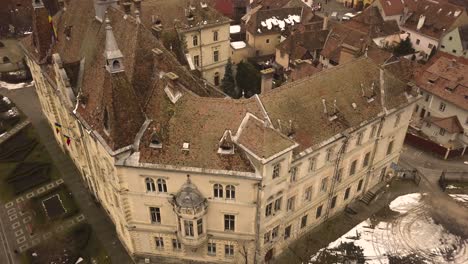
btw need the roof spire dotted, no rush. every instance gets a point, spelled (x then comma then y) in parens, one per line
(114, 57)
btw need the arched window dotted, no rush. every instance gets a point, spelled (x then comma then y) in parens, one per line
(218, 191)
(162, 186)
(150, 185)
(195, 40)
(116, 65)
(6, 59)
(230, 192)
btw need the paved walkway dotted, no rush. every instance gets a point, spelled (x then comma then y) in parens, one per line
(26, 100)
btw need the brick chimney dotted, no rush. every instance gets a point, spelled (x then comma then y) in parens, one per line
(267, 80)
(42, 33)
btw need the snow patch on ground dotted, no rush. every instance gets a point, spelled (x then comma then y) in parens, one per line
(405, 203)
(412, 232)
(460, 197)
(13, 86)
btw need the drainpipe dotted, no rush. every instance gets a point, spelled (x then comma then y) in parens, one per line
(374, 152)
(257, 224)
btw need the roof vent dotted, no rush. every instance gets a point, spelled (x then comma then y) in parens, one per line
(186, 146)
(155, 142)
(421, 20)
(203, 5)
(226, 145)
(370, 97)
(354, 105)
(333, 114)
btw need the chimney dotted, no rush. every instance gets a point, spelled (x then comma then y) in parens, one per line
(137, 17)
(382, 90)
(112, 53)
(325, 21)
(172, 90)
(267, 80)
(422, 18)
(100, 8)
(41, 29)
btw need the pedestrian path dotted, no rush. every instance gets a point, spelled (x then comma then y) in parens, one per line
(19, 219)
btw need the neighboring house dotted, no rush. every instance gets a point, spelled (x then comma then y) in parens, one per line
(265, 27)
(425, 21)
(203, 31)
(300, 45)
(234, 9)
(188, 174)
(455, 42)
(12, 65)
(442, 115)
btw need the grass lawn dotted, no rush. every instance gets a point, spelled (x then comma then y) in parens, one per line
(37, 154)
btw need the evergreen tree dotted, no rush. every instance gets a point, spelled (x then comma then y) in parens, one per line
(248, 79)
(404, 47)
(228, 84)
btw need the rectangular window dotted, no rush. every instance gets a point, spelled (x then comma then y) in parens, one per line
(266, 237)
(333, 202)
(312, 163)
(293, 174)
(339, 175)
(352, 169)
(290, 204)
(215, 35)
(428, 96)
(274, 232)
(196, 60)
(359, 138)
(308, 194)
(155, 215)
(359, 186)
(159, 242)
(390, 147)
(397, 120)
(303, 221)
(276, 170)
(278, 204)
(346, 194)
(323, 186)
(211, 248)
(267, 40)
(319, 211)
(430, 45)
(229, 250)
(229, 222)
(442, 131)
(268, 209)
(442, 107)
(418, 41)
(373, 131)
(287, 232)
(200, 226)
(365, 163)
(116, 200)
(216, 55)
(330, 152)
(188, 226)
(176, 244)
(416, 108)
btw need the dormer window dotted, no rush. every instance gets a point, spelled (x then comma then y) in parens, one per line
(226, 146)
(6, 59)
(155, 141)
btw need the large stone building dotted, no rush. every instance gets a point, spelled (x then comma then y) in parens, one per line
(184, 172)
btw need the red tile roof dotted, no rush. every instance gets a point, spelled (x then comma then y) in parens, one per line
(450, 124)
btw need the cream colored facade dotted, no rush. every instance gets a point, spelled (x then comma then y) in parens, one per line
(120, 182)
(264, 44)
(209, 49)
(451, 43)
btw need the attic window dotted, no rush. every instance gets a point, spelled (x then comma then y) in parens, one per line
(155, 142)
(68, 32)
(6, 59)
(226, 146)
